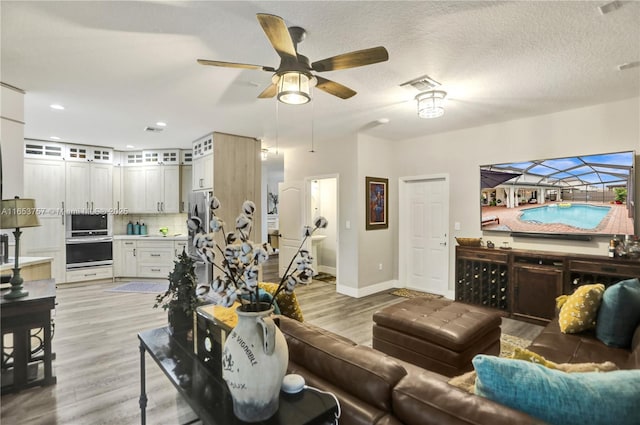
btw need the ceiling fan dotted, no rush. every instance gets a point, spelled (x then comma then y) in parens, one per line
(292, 80)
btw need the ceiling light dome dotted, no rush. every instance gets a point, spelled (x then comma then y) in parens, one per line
(294, 87)
(431, 103)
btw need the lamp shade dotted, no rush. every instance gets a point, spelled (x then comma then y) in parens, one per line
(294, 88)
(431, 103)
(18, 212)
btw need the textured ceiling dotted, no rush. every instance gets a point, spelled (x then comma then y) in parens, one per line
(120, 66)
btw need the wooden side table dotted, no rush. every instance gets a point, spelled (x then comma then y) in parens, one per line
(18, 318)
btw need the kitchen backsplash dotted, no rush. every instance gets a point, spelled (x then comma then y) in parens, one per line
(177, 223)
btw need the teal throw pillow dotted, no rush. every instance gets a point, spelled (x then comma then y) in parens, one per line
(560, 398)
(619, 313)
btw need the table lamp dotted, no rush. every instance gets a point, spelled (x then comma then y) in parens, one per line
(17, 213)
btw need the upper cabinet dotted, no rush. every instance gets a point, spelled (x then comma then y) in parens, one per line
(202, 163)
(89, 179)
(151, 189)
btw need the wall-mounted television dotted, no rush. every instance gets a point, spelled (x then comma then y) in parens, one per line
(573, 197)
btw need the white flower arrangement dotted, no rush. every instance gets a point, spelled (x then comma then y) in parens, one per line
(241, 258)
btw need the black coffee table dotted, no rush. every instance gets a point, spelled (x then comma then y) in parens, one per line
(206, 392)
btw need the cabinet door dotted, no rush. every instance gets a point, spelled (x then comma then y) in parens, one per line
(50, 195)
(78, 185)
(129, 259)
(117, 259)
(101, 187)
(202, 173)
(171, 189)
(133, 189)
(117, 189)
(535, 291)
(47, 240)
(153, 191)
(178, 247)
(185, 187)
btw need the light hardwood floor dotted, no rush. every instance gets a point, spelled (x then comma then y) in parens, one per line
(97, 356)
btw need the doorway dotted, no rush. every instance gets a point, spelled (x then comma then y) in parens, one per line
(423, 233)
(317, 196)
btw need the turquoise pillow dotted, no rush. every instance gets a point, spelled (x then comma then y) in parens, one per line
(594, 398)
(619, 313)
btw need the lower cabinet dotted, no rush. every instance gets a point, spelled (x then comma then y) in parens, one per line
(525, 283)
(146, 258)
(89, 273)
(535, 290)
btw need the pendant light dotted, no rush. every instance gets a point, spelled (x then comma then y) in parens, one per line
(294, 87)
(431, 103)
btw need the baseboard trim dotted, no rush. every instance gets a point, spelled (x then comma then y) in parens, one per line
(327, 269)
(367, 290)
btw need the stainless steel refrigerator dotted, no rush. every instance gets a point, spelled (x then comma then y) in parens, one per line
(199, 206)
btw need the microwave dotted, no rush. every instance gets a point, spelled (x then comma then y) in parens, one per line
(83, 225)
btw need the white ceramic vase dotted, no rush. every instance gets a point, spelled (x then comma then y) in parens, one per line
(254, 361)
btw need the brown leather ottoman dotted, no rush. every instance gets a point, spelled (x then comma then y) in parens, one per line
(437, 334)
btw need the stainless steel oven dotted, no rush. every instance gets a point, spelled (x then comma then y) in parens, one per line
(89, 252)
(85, 225)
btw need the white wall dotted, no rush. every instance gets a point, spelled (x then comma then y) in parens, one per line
(602, 128)
(338, 156)
(378, 246)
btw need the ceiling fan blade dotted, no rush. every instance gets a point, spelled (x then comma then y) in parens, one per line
(352, 60)
(334, 88)
(235, 65)
(268, 92)
(278, 34)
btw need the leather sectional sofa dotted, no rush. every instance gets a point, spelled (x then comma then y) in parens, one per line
(374, 388)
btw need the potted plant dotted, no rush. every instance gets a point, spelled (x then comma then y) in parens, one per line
(180, 299)
(255, 354)
(621, 194)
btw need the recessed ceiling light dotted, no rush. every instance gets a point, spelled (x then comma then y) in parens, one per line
(54, 138)
(161, 124)
(130, 146)
(383, 121)
(57, 107)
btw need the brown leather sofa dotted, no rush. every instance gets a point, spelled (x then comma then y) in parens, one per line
(374, 388)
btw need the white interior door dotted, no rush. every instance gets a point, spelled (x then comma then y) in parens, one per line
(424, 251)
(291, 218)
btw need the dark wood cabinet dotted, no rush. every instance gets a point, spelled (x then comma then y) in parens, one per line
(535, 289)
(525, 283)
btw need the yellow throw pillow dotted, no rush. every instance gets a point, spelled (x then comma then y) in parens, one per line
(288, 303)
(530, 356)
(578, 311)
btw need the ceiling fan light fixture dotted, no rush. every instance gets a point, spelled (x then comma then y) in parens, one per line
(431, 103)
(294, 88)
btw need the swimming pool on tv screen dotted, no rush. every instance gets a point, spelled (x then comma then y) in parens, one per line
(580, 216)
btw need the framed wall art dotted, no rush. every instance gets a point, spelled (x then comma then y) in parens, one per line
(377, 215)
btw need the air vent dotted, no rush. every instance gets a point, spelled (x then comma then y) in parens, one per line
(153, 129)
(422, 83)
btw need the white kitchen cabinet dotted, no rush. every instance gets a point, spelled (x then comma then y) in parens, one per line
(128, 259)
(155, 258)
(202, 169)
(202, 163)
(117, 202)
(185, 187)
(133, 189)
(89, 273)
(178, 247)
(44, 182)
(170, 202)
(152, 189)
(89, 187)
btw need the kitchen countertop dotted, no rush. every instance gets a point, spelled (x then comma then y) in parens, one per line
(24, 262)
(170, 237)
